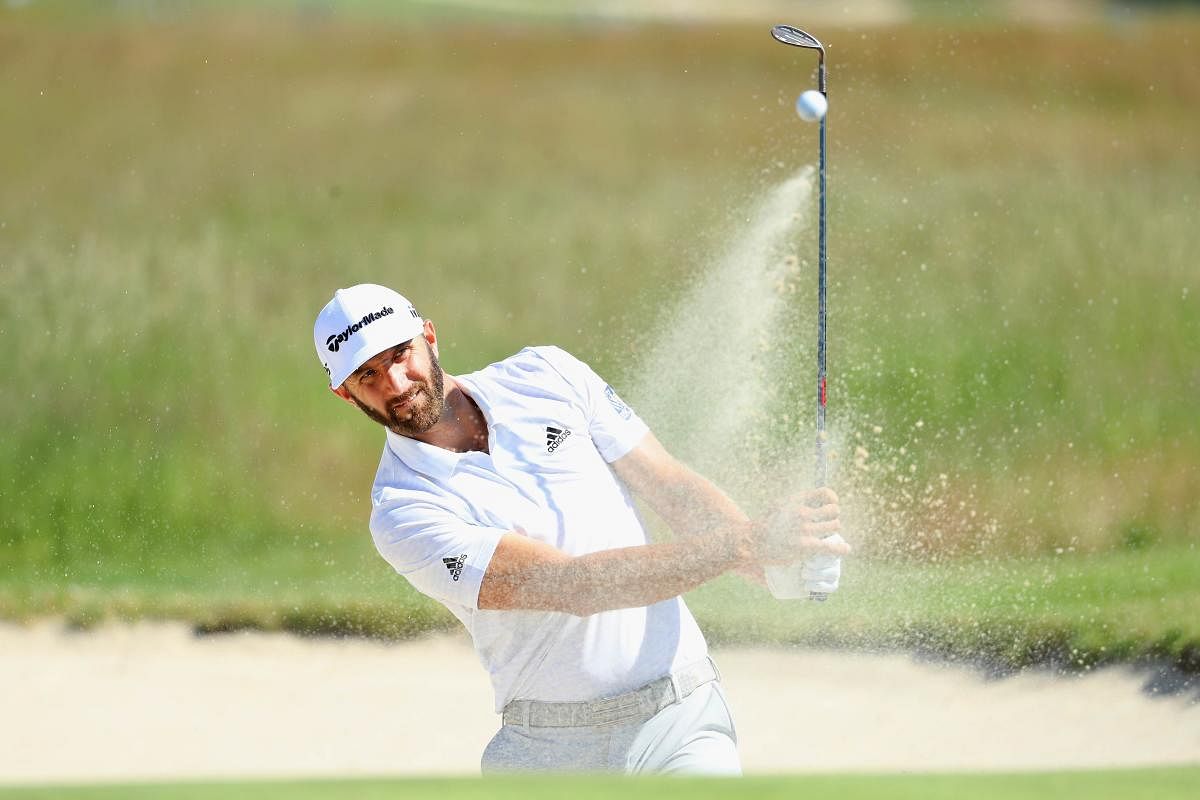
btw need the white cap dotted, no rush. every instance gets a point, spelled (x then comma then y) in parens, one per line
(358, 324)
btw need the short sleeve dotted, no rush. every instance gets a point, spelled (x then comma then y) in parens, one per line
(440, 555)
(614, 427)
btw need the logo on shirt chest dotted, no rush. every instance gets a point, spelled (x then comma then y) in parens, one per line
(555, 437)
(455, 565)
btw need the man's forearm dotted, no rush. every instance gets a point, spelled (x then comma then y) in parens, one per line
(693, 506)
(690, 504)
(626, 577)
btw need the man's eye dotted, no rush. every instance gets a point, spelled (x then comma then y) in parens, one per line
(366, 376)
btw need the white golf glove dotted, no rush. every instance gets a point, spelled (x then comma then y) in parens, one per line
(822, 571)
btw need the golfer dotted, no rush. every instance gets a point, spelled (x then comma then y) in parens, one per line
(505, 495)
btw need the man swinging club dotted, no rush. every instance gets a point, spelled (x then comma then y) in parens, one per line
(505, 495)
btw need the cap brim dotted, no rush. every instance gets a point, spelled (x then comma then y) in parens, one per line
(370, 347)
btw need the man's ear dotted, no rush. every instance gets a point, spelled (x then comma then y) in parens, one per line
(343, 393)
(430, 334)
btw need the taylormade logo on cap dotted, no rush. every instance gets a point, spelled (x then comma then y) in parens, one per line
(335, 342)
(359, 323)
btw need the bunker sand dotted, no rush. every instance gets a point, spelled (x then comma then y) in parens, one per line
(154, 701)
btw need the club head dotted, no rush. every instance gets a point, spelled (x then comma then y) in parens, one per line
(796, 37)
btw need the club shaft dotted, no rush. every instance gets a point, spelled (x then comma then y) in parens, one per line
(822, 471)
(822, 467)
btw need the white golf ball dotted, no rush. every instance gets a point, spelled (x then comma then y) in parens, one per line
(811, 105)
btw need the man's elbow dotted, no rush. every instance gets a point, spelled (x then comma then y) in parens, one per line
(577, 604)
(520, 598)
(555, 582)
(574, 603)
(583, 608)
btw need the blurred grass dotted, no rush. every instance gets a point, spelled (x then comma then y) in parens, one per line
(1070, 611)
(1014, 332)
(1164, 783)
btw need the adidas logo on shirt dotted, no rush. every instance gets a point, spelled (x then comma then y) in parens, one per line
(555, 437)
(455, 565)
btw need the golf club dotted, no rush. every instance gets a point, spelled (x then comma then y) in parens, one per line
(797, 38)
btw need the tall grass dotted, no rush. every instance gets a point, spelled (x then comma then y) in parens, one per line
(1014, 331)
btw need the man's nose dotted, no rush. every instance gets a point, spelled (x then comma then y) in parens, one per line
(397, 379)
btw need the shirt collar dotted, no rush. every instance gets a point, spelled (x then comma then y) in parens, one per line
(438, 462)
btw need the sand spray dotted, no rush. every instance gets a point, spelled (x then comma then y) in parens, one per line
(712, 379)
(728, 381)
(721, 383)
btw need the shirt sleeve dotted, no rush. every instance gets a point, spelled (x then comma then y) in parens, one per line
(440, 555)
(612, 424)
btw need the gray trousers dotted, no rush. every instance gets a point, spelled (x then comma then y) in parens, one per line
(692, 736)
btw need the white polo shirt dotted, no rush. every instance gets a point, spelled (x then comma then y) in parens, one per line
(553, 426)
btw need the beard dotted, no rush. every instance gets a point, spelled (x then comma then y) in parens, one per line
(425, 403)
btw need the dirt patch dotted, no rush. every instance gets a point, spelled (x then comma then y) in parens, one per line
(154, 701)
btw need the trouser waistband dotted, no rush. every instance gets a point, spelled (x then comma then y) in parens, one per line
(645, 701)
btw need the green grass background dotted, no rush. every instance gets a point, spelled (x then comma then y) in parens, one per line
(1015, 335)
(1159, 784)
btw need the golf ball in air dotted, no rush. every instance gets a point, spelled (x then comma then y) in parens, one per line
(811, 105)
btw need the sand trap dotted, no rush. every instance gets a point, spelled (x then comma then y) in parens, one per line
(152, 701)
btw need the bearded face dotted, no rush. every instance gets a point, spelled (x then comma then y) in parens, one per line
(419, 406)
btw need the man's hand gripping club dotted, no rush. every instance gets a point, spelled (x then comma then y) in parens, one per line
(805, 527)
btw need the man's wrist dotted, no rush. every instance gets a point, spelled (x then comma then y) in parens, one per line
(739, 548)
